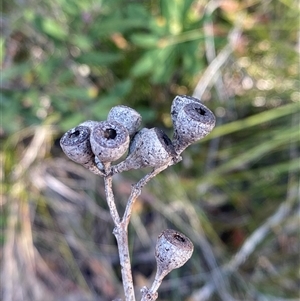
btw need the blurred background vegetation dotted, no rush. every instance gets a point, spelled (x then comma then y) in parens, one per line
(235, 194)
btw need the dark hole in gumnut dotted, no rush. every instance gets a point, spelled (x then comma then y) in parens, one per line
(75, 134)
(200, 111)
(166, 140)
(179, 238)
(110, 134)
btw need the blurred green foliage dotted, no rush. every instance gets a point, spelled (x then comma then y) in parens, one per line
(75, 59)
(63, 62)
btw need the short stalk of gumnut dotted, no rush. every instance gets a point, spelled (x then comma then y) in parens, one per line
(194, 121)
(148, 148)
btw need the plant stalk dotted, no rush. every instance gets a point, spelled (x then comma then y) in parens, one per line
(121, 235)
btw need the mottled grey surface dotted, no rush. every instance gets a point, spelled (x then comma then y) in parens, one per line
(149, 148)
(76, 145)
(194, 122)
(179, 102)
(109, 141)
(173, 250)
(129, 117)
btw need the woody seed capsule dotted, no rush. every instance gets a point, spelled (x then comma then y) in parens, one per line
(194, 122)
(89, 123)
(109, 141)
(128, 117)
(148, 148)
(173, 250)
(76, 145)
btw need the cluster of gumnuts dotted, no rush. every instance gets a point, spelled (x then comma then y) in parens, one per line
(94, 144)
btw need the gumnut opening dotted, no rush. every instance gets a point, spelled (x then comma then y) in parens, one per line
(148, 148)
(127, 116)
(179, 102)
(109, 141)
(173, 250)
(76, 145)
(194, 122)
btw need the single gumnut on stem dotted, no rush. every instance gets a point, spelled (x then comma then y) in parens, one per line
(194, 121)
(173, 250)
(76, 145)
(109, 141)
(149, 148)
(128, 117)
(179, 102)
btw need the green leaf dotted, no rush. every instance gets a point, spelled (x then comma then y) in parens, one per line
(101, 108)
(145, 64)
(112, 25)
(165, 65)
(145, 40)
(99, 58)
(71, 121)
(14, 71)
(54, 28)
(81, 41)
(75, 93)
(10, 109)
(122, 88)
(175, 13)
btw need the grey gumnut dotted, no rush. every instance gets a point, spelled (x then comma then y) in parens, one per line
(109, 141)
(173, 250)
(148, 148)
(129, 117)
(76, 145)
(194, 121)
(89, 123)
(179, 102)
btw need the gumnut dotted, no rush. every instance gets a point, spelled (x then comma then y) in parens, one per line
(194, 121)
(76, 145)
(109, 141)
(179, 102)
(127, 116)
(173, 250)
(148, 148)
(89, 123)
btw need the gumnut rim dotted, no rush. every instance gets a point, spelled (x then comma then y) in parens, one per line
(194, 122)
(76, 145)
(179, 102)
(109, 141)
(75, 136)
